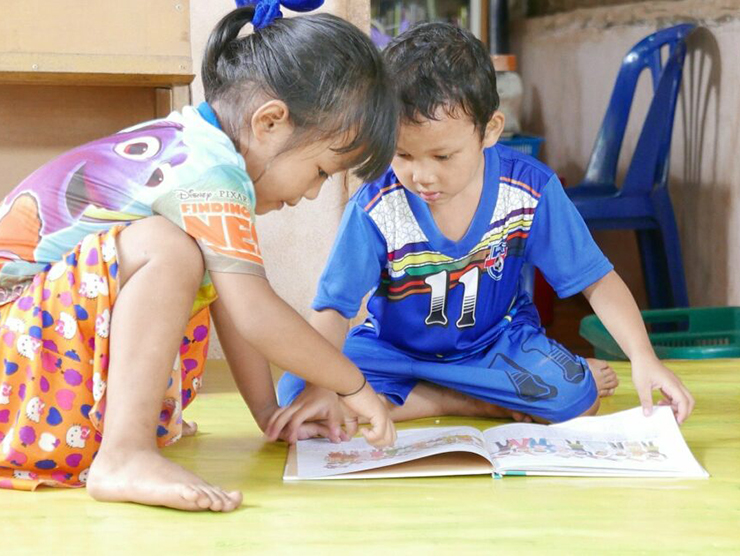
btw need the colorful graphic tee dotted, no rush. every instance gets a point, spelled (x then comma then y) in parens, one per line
(439, 299)
(182, 167)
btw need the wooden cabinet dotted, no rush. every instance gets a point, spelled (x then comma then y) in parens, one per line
(102, 42)
(75, 70)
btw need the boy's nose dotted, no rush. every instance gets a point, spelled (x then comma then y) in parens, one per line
(422, 176)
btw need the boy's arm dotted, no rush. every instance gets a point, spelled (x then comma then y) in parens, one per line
(316, 402)
(613, 303)
(272, 327)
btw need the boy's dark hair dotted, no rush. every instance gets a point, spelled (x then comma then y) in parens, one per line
(328, 73)
(438, 65)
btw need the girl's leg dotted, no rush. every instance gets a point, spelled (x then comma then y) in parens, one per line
(160, 269)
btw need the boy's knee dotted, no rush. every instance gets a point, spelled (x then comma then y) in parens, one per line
(567, 411)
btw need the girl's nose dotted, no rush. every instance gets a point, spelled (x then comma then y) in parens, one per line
(312, 193)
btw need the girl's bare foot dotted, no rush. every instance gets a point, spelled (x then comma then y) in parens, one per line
(146, 477)
(189, 429)
(605, 377)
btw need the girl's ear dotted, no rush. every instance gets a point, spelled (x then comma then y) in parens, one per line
(271, 121)
(494, 129)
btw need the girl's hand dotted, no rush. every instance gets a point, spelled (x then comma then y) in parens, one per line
(366, 403)
(648, 374)
(315, 412)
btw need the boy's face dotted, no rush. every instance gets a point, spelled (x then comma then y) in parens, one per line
(440, 159)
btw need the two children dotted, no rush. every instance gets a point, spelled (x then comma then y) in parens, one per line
(440, 241)
(113, 256)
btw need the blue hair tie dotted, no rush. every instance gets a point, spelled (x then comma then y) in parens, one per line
(267, 11)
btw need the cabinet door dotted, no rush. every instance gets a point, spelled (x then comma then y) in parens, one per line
(134, 42)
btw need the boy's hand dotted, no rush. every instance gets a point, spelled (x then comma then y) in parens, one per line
(315, 412)
(648, 374)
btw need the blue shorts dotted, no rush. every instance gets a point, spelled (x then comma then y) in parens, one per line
(523, 370)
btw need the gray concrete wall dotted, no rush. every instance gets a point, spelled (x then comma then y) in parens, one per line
(569, 62)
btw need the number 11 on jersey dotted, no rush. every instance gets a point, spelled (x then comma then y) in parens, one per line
(440, 285)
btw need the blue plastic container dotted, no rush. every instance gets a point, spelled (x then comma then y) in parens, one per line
(527, 144)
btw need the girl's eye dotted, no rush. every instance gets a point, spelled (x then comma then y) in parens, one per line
(442, 157)
(402, 155)
(323, 175)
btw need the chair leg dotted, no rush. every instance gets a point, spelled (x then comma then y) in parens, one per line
(654, 269)
(672, 248)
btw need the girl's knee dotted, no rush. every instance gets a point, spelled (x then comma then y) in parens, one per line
(156, 240)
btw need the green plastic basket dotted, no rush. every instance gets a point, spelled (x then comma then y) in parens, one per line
(693, 333)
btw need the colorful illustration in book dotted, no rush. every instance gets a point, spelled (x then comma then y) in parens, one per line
(346, 458)
(599, 450)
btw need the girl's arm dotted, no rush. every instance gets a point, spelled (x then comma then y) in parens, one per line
(613, 303)
(281, 335)
(250, 369)
(316, 402)
(253, 377)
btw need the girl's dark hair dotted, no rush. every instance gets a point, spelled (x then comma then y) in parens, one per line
(328, 73)
(438, 65)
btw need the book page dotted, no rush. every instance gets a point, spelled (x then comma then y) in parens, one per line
(622, 444)
(320, 458)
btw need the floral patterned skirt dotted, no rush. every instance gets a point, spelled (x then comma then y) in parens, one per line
(55, 354)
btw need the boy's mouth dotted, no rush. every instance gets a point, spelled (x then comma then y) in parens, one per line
(429, 196)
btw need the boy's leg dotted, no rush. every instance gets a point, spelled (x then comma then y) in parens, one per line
(526, 372)
(416, 389)
(158, 281)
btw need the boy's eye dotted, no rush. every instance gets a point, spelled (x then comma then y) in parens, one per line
(402, 155)
(323, 175)
(442, 157)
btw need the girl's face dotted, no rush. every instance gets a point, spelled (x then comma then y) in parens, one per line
(284, 177)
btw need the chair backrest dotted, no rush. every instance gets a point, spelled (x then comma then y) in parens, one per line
(653, 146)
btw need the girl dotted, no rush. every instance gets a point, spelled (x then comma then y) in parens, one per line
(111, 257)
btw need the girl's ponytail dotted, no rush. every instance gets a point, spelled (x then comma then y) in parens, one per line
(218, 42)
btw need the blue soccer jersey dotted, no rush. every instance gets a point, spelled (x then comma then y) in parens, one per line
(439, 299)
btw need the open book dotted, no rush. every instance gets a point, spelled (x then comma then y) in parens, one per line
(624, 444)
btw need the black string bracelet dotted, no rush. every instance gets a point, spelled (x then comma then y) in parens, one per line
(364, 382)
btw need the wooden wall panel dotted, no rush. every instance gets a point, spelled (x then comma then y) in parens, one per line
(39, 123)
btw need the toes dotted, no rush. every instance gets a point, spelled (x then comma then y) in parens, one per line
(195, 496)
(232, 500)
(203, 500)
(213, 495)
(223, 500)
(235, 498)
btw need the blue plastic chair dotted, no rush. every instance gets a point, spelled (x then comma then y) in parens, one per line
(642, 202)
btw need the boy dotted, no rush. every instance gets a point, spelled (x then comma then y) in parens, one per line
(440, 240)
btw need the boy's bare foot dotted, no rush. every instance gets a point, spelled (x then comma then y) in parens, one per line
(432, 400)
(146, 477)
(605, 377)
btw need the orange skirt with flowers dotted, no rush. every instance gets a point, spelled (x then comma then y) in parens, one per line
(54, 350)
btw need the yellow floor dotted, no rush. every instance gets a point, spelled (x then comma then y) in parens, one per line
(437, 515)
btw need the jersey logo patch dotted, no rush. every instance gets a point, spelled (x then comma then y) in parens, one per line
(494, 263)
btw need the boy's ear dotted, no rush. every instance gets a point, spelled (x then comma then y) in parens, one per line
(270, 119)
(494, 129)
